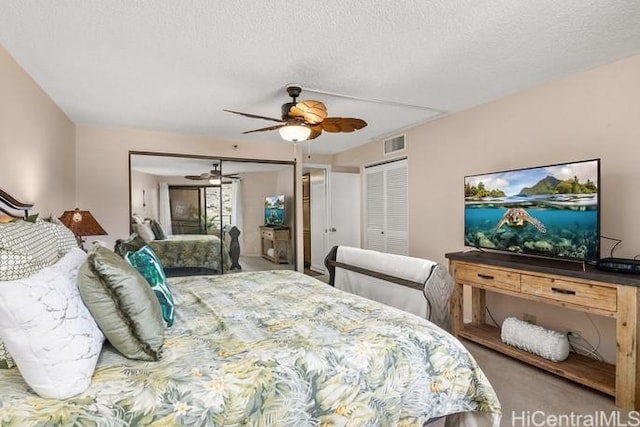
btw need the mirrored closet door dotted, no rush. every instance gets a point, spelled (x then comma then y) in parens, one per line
(219, 215)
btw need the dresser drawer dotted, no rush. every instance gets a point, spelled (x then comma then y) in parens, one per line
(491, 277)
(268, 233)
(583, 294)
(281, 234)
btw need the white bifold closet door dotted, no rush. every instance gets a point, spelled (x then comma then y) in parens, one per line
(387, 213)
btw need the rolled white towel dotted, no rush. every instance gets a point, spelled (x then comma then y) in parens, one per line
(535, 339)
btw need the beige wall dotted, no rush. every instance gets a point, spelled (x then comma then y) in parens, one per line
(144, 204)
(589, 115)
(255, 187)
(285, 187)
(37, 143)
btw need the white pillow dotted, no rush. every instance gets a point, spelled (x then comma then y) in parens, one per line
(144, 231)
(49, 331)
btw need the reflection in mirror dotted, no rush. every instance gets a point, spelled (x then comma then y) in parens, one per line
(214, 212)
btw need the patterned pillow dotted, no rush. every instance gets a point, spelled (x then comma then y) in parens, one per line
(65, 239)
(6, 361)
(147, 263)
(49, 331)
(25, 248)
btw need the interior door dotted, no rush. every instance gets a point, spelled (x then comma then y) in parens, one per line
(318, 196)
(375, 216)
(335, 213)
(306, 219)
(345, 210)
(387, 226)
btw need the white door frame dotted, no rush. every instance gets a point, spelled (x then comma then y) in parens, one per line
(327, 205)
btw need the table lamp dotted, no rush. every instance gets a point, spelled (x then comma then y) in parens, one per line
(81, 223)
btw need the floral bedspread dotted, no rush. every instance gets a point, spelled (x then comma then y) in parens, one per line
(192, 250)
(274, 348)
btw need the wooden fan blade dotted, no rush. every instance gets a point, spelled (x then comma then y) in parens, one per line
(342, 124)
(312, 111)
(316, 131)
(194, 177)
(255, 116)
(265, 129)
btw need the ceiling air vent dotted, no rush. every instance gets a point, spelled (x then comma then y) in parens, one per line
(395, 144)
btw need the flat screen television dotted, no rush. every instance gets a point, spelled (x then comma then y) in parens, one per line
(550, 211)
(274, 210)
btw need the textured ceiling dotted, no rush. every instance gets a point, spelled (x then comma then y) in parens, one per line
(175, 65)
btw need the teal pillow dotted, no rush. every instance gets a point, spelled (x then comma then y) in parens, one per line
(147, 263)
(122, 303)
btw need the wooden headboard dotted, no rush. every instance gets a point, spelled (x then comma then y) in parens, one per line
(10, 206)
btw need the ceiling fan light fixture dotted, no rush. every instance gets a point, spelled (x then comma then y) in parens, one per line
(295, 132)
(215, 176)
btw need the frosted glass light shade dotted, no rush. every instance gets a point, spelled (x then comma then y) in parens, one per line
(294, 133)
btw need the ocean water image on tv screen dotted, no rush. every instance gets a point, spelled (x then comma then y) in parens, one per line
(550, 211)
(274, 210)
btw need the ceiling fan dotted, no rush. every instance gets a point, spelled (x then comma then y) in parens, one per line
(305, 120)
(214, 176)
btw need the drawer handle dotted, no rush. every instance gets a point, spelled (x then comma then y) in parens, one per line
(485, 276)
(563, 291)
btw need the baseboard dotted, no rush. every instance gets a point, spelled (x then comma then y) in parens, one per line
(317, 269)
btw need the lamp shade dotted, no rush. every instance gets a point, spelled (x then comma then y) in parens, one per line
(294, 132)
(82, 223)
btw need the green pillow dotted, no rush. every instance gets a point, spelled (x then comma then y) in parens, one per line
(122, 303)
(158, 231)
(30, 218)
(147, 263)
(132, 243)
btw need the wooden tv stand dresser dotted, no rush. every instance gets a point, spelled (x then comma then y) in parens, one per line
(562, 284)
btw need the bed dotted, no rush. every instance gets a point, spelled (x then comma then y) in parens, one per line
(193, 251)
(201, 253)
(273, 348)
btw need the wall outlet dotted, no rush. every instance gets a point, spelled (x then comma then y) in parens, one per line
(529, 318)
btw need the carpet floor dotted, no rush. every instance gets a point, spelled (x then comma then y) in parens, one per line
(524, 390)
